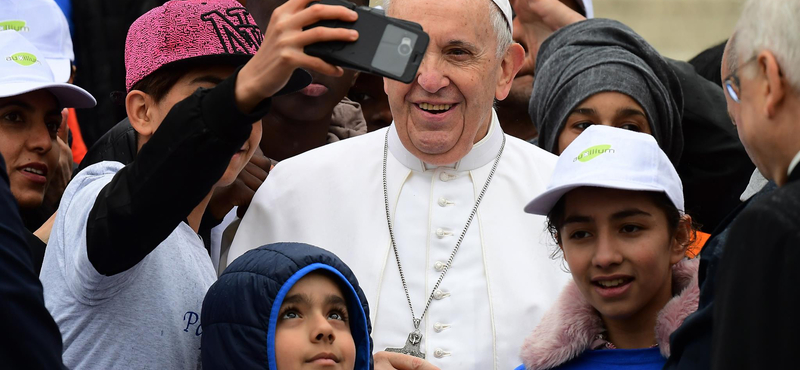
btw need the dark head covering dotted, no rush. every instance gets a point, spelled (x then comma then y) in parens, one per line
(240, 311)
(600, 55)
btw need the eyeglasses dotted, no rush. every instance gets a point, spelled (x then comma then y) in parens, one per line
(732, 83)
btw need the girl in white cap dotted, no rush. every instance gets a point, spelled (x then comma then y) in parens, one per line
(30, 116)
(614, 207)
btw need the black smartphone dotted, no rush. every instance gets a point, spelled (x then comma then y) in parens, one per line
(386, 46)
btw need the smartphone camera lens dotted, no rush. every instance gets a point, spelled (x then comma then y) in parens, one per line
(405, 46)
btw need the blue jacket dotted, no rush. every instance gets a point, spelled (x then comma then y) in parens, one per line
(240, 311)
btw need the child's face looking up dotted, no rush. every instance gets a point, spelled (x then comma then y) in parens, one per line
(620, 250)
(313, 330)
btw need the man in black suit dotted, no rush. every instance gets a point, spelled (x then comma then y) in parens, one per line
(755, 323)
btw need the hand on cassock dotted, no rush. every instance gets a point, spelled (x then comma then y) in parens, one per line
(398, 361)
(240, 193)
(535, 21)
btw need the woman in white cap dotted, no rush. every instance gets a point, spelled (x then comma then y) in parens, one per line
(30, 116)
(614, 207)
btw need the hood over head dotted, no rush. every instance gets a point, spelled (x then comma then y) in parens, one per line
(240, 311)
(603, 55)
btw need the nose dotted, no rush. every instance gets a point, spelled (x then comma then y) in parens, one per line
(606, 252)
(39, 138)
(322, 331)
(431, 77)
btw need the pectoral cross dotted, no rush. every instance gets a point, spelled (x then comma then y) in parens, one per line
(412, 345)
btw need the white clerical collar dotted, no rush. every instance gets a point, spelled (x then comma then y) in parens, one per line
(483, 152)
(792, 165)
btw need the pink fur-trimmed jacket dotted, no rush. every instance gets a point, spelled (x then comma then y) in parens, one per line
(570, 327)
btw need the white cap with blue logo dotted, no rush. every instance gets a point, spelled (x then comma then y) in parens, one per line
(610, 157)
(22, 70)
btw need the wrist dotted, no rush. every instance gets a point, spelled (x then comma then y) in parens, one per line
(247, 93)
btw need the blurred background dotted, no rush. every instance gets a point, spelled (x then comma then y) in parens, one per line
(679, 29)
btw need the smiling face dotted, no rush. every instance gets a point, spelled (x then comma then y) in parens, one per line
(448, 106)
(313, 330)
(28, 127)
(620, 250)
(605, 108)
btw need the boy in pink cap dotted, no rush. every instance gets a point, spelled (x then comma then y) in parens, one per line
(125, 272)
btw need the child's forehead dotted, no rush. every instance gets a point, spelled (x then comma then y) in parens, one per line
(317, 285)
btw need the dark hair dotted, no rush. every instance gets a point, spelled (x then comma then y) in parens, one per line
(161, 81)
(556, 218)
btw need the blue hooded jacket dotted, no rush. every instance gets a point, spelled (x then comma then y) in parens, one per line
(240, 311)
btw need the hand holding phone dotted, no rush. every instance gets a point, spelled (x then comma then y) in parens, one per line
(281, 51)
(387, 46)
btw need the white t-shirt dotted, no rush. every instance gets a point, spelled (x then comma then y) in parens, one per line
(147, 317)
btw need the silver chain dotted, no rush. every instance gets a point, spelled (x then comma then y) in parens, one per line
(416, 320)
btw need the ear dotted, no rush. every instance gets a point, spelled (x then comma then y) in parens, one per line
(512, 62)
(138, 105)
(776, 84)
(682, 239)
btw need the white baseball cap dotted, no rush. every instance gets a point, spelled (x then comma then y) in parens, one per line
(610, 157)
(22, 70)
(46, 27)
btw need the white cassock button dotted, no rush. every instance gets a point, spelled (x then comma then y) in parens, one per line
(439, 294)
(439, 353)
(442, 202)
(438, 266)
(444, 176)
(438, 327)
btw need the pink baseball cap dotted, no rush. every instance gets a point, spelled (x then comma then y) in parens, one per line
(182, 30)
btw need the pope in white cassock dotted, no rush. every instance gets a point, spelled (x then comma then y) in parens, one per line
(444, 157)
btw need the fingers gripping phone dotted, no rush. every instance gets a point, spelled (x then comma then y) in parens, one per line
(386, 46)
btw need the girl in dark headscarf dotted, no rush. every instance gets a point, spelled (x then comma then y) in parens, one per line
(601, 72)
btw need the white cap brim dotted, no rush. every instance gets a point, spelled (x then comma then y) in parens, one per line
(61, 68)
(543, 204)
(69, 96)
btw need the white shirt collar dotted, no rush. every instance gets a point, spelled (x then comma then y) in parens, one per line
(793, 163)
(483, 152)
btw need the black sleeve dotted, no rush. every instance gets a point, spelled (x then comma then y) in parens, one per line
(755, 321)
(30, 338)
(36, 248)
(172, 173)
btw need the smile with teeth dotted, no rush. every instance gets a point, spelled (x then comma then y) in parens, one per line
(33, 170)
(612, 283)
(435, 107)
